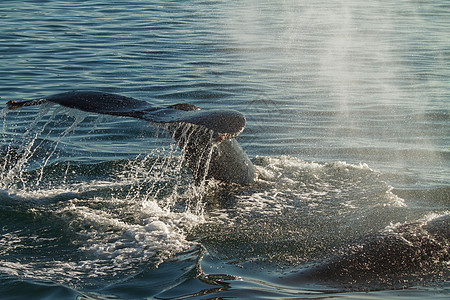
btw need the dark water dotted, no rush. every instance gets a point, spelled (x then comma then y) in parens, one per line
(347, 107)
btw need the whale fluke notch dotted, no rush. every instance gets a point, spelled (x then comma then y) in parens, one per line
(214, 130)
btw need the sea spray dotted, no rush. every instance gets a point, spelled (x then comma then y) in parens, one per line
(117, 215)
(153, 167)
(13, 170)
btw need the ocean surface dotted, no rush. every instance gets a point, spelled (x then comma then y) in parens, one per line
(348, 126)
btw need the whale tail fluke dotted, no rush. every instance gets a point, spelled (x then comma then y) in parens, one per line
(197, 132)
(18, 104)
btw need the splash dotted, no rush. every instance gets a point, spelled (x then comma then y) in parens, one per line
(25, 162)
(106, 219)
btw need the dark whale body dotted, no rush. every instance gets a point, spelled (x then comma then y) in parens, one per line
(197, 132)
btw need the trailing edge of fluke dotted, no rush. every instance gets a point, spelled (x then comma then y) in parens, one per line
(197, 132)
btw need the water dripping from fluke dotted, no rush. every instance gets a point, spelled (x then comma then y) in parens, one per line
(206, 137)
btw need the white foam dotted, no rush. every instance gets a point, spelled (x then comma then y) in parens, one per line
(392, 227)
(113, 235)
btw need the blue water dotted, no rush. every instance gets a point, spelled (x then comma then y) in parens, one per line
(347, 107)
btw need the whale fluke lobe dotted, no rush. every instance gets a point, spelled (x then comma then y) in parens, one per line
(18, 104)
(206, 137)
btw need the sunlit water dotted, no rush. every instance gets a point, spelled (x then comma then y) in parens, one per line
(347, 107)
